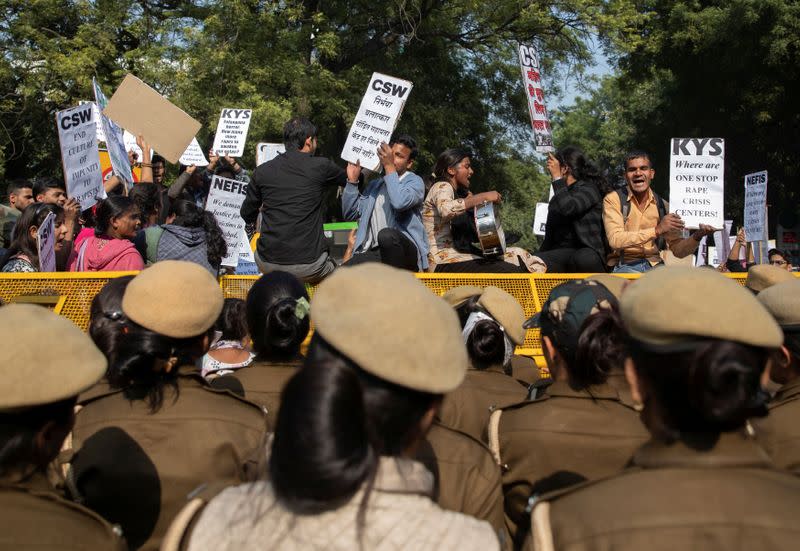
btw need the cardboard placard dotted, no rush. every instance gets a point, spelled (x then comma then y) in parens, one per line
(79, 155)
(376, 119)
(114, 139)
(755, 206)
(697, 181)
(138, 108)
(232, 132)
(193, 155)
(268, 151)
(46, 244)
(540, 218)
(532, 83)
(225, 198)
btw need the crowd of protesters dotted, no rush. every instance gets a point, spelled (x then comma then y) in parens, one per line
(185, 420)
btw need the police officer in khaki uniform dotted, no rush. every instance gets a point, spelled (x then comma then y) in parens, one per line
(491, 327)
(39, 384)
(161, 431)
(701, 482)
(581, 428)
(764, 276)
(779, 432)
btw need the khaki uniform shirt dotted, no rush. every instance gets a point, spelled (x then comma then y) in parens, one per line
(467, 479)
(469, 406)
(779, 432)
(675, 497)
(137, 468)
(524, 369)
(263, 382)
(559, 439)
(637, 234)
(34, 516)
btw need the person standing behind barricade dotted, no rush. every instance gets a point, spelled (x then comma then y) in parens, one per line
(190, 234)
(20, 195)
(289, 192)
(491, 326)
(110, 249)
(23, 254)
(701, 481)
(146, 196)
(779, 432)
(449, 202)
(582, 428)
(390, 226)
(278, 323)
(161, 431)
(50, 190)
(575, 240)
(638, 224)
(38, 389)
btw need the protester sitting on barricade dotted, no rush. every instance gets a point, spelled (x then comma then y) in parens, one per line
(160, 432)
(779, 432)
(20, 195)
(23, 254)
(363, 400)
(110, 248)
(582, 427)
(702, 481)
(390, 226)
(190, 233)
(575, 239)
(449, 202)
(38, 389)
(288, 191)
(278, 323)
(491, 326)
(763, 276)
(229, 348)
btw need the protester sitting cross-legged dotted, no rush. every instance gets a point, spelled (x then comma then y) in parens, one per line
(110, 248)
(161, 431)
(190, 234)
(491, 328)
(701, 481)
(449, 205)
(390, 226)
(278, 323)
(23, 254)
(229, 348)
(340, 471)
(583, 427)
(38, 389)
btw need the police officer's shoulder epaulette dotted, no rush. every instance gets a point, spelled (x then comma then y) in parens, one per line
(493, 428)
(177, 535)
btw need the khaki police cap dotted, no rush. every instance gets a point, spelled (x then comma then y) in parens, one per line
(674, 305)
(457, 296)
(506, 310)
(614, 284)
(392, 326)
(46, 359)
(761, 276)
(174, 298)
(782, 300)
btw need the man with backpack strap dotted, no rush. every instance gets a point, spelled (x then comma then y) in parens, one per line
(638, 224)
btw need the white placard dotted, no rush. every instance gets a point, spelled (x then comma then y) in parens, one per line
(245, 252)
(131, 145)
(722, 240)
(755, 206)
(532, 83)
(540, 218)
(113, 137)
(101, 137)
(232, 132)
(268, 151)
(224, 201)
(193, 155)
(376, 119)
(697, 180)
(46, 243)
(80, 158)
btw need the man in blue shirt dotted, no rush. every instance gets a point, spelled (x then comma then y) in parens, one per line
(389, 215)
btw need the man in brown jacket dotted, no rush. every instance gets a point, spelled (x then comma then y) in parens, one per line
(38, 388)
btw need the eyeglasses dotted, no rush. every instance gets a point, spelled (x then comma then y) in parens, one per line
(778, 262)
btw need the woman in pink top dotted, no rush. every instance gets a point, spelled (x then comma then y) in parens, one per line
(110, 249)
